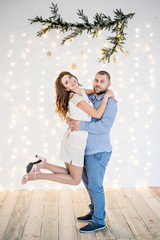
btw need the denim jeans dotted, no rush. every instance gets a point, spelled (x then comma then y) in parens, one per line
(93, 174)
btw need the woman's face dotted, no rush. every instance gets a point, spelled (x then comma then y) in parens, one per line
(70, 82)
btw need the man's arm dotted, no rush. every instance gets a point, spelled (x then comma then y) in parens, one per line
(105, 123)
(101, 126)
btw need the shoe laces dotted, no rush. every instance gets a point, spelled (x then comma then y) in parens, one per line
(92, 223)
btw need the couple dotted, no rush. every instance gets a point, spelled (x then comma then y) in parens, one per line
(85, 147)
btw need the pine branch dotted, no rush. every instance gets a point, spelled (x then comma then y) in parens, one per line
(101, 22)
(82, 16)
(72, 36)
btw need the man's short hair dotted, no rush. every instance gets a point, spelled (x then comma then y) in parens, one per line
(104, 73)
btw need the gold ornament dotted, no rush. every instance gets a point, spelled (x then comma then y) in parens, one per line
(114, 59)
(120, 41)
(44, 30)
(49, 53)
(73, 66)
(82, 53)
(127, 52)
(119, 35)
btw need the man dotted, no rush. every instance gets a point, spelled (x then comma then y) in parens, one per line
(97, 153)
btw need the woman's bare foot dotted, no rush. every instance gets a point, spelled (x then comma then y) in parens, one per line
(41, 165)
(29, 177)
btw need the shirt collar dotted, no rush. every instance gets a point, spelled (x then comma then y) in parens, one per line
(98, 98)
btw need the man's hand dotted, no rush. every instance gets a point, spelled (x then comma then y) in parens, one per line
(109, 93)
(74, 124)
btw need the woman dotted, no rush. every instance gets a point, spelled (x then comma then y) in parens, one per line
(71, 101)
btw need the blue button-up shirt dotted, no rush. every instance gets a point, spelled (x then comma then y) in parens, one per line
(99, 129)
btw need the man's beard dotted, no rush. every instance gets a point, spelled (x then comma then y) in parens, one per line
(99, 92)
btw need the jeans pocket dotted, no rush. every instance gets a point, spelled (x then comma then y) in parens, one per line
(98, 155)
(103, 158)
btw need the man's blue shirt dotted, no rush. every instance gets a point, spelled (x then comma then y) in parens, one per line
(99, 129)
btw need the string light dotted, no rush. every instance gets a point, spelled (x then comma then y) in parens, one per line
(148, 25)
(147, 48)
(137, 30)
(29, 42)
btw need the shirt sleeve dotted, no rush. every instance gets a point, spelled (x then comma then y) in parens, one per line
(105, 123)
(76, 99)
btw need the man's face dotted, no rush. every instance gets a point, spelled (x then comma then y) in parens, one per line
(100, 84)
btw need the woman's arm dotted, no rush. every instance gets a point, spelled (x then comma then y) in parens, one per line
(89, 91)
(83, 105)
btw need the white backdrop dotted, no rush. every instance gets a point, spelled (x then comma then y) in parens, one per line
(29, 124)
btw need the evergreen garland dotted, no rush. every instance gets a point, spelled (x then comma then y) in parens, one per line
(101, 22)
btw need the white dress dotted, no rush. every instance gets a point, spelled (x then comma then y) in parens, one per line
(73, 143)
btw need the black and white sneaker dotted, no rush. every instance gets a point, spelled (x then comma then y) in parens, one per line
(91, 227)
(86, 218)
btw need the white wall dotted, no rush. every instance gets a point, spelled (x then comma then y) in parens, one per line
(29, 125)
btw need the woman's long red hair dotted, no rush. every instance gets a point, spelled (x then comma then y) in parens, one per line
(62, 96)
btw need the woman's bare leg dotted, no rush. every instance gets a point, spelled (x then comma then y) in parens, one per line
(54, 168)
(73, 177)
(51, 167)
